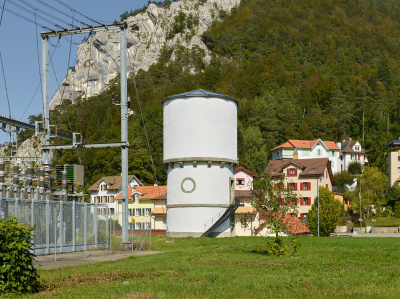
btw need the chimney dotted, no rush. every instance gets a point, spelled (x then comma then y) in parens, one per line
(339, 145)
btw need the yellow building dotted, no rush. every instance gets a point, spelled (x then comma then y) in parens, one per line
(140, 206)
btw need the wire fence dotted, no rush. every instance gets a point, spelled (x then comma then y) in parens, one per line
(59, 226)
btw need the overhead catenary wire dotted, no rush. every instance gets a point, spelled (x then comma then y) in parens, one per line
(46, 13)
(33, 13)
(79, 13)
(61, 12)
(2, 12)
(24, 18)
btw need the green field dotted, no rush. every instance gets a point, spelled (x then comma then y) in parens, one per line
(230, 268)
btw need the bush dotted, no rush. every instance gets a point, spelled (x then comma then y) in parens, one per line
(17, 274)
(397, 209)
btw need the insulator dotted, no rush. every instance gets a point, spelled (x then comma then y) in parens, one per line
(15, 169)
(15, 179)
(29, 170)
(2, 166)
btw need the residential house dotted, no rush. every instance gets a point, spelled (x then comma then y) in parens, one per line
(245, 216)
(351, 151)
(160, 212)
(141, 203)
(308, 149)
(393, 161)
(303, 176)
(105, 190)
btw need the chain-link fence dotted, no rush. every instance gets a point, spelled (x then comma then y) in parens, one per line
(59, 226)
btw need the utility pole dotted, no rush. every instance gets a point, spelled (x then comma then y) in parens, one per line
(124, 112)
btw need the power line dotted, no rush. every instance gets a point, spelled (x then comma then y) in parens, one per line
(46, 13)
(25, 18)
(5, 84)
(74, 10)
(60, 12)
(33, 13)
(2, 12)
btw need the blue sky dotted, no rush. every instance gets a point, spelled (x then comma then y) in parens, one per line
(19, 45)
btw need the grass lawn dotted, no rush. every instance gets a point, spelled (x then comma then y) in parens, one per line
(383, 221)
(229, 268)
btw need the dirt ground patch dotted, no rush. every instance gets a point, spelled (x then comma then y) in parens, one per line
(80, 258)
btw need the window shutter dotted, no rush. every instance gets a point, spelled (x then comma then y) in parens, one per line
(288, 185)
(301, 186)
(295, 187)
(288, 172)
(301, 201)
(301, 214)
(295, 172)
(276, 186)
(309, 186)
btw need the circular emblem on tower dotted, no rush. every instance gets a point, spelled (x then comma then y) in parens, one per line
(188, 185)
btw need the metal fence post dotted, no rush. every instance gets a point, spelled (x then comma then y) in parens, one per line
(73, 225)
(62, 232)
(108, 217)
(47, 226)
(16, 202)
(85, 225)
(95, 225)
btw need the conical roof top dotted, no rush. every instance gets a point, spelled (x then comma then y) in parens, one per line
(199, 93)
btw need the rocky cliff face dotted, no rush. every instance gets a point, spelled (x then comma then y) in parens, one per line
(148, 33)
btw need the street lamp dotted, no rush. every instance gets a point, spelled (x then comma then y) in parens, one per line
(318, 180)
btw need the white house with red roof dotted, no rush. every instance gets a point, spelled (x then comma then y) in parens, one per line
(141, 203)
(106, 188)
(309, 149)
(351, 151)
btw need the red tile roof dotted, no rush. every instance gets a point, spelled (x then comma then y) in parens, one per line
(115, 182)
(309, 167)
(295, 225)
(347, 147)
(241, 168)
(307, 144)
(146, 192)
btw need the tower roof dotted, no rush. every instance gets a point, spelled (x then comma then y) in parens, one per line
(199, 93)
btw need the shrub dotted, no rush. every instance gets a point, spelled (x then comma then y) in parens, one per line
(17, 274)
(397, 209)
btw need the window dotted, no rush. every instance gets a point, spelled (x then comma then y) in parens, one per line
(111, 199)
(319, 152)
(112, 211)
(138, 225)
(243, 222)
(291, 172)
(138, 212)
(292, 186)
(103, 187)
(305, 152)
(147, 212)
(303, 215)
(104, 199)
(164, 221)
(146, 225)
(305, 201)
(131, 212)
(312, 169)
(240, 182)
(136, 198)
(305, 186)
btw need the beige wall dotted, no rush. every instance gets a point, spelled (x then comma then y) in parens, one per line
(393, 165)
(248, 180)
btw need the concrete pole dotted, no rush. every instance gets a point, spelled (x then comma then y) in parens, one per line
(124, 135)
(45, 99)
(318, 203)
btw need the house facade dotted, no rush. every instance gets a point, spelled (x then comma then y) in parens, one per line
(309, 149)
(393, 161)
(303, 176)
(351, 151)
(105, 190)
(141, 204)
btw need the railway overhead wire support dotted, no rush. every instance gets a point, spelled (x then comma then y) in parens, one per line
(124, 111)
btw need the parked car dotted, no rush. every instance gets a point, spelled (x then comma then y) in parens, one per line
(333, 234)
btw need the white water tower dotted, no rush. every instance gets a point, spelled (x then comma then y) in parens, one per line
(200, 151)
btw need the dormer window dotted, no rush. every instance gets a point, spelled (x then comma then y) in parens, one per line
(356, 148)
(103, 187)
(240, 181)
(292, 172)
(319, 152)
(275, 169)
(312, 169)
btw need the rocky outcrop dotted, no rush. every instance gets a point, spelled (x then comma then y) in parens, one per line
(148, 33)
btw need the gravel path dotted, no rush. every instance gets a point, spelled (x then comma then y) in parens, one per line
(80, 258)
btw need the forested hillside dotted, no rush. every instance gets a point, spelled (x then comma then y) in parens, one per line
(300, 69)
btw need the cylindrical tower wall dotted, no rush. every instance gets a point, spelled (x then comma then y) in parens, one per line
(200, 150)
(200, 127)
